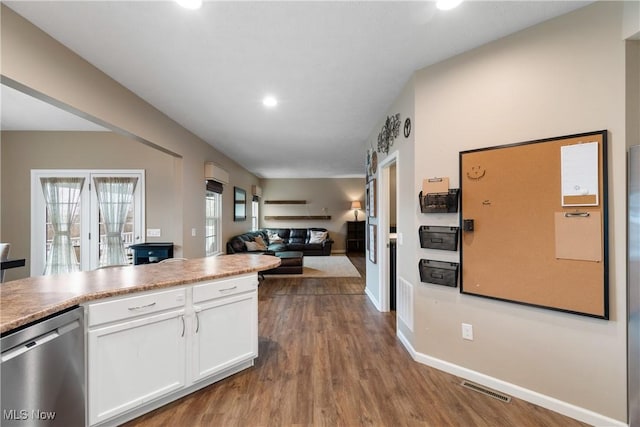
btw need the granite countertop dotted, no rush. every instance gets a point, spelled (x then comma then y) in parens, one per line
(26, 300)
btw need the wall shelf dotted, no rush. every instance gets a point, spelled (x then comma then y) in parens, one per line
(295, 217)
(285, 202)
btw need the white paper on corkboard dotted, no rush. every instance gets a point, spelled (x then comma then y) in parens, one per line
(579, 174)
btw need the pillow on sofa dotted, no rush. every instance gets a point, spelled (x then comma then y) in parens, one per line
(255, 246)
(274, 238)
(261, 244)
(251, 246)
(318, 236)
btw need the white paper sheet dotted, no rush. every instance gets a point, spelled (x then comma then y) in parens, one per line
(579, 171)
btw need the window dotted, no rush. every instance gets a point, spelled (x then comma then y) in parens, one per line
(255, 211)
(213, 218)
(62, 222)
(84, 219)
(116, 210)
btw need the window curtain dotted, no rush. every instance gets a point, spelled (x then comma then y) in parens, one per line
(115, 196)
(61, 196)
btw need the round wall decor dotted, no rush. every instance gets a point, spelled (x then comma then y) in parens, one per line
(374, 163)
(407, 127)
(389, 133)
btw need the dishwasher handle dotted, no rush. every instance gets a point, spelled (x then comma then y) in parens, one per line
(39, 341)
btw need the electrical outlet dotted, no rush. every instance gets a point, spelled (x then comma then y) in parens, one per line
(153, 232)
(467, 332)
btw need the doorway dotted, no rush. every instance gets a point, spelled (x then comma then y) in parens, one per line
(387, 228)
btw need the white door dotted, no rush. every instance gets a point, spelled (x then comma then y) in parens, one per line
(86, 231)
(134, 362)
(225, 334)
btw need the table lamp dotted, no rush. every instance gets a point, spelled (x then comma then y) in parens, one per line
(355, 205)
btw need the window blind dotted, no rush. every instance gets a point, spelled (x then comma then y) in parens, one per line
(214, 186)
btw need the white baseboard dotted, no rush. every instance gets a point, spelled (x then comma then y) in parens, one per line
(553, 404)
(373, 299)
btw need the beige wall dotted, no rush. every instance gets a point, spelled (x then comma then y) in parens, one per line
(403, 151)
(34, 62)
(24, 151)
(324, 196)
(565, 76)
(631, 20)
(633, 92)
(561, 77)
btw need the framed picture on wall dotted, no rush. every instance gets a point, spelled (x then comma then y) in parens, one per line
(371, 242)
(366, 199)
(240, 204)
(371, 198)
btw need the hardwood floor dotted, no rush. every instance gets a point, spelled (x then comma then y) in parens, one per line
(329, 358)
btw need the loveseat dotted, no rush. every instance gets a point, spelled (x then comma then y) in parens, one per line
(309, 241)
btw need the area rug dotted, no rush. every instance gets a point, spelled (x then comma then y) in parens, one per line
(324, 266)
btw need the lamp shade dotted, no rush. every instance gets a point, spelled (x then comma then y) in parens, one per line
(356, 205)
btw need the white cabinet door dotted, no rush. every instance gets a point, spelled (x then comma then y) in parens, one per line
(225, 333)
(134, 362)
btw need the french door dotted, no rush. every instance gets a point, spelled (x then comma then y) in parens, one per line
(79, 218)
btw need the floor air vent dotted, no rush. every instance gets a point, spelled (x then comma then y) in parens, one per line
(486, 391)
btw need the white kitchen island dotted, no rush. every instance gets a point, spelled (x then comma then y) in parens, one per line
(153, 333)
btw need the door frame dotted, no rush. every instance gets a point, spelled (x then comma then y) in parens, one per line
(89, 214)
(383, 226)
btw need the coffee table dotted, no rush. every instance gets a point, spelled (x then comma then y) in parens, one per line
(291, 262)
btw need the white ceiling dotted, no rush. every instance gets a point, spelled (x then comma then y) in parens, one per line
(24, 112)
(336, 67)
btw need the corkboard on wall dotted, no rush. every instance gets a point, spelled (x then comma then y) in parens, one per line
(528, 245)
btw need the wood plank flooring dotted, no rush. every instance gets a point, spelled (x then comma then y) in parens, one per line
(329, 358)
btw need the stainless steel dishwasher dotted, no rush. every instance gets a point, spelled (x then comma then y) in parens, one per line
(42, 373)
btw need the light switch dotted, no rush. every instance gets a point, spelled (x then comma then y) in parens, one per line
(467, 331)
(153, 232)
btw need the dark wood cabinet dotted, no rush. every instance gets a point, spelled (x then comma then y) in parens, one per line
(149, 253)
(355, 236)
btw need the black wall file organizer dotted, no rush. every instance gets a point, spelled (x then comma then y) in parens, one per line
(439, 202)
(434, 237)
(438, 272)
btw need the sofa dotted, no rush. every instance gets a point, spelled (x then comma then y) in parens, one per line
(309, 241)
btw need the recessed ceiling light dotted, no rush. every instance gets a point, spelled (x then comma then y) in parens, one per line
(190, 4)
(270, 101)
(448, 4)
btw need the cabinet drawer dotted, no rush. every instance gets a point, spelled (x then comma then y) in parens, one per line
(156, 253)
(225, 287)
(131, 307)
